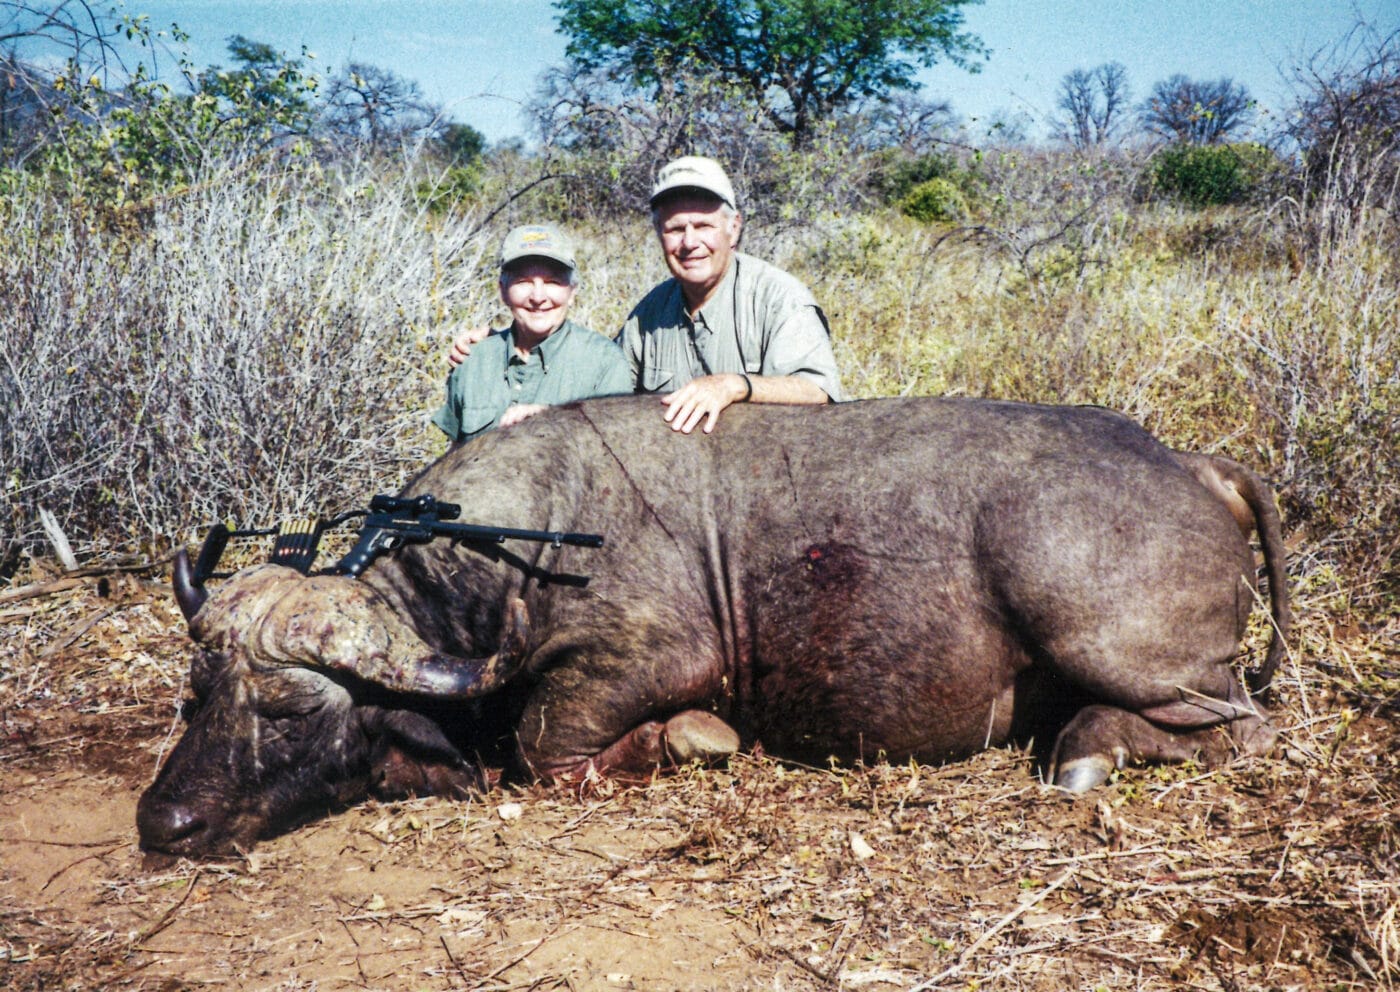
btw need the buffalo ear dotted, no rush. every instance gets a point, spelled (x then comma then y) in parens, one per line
(293, 692)
(412, 756)
(410, 731)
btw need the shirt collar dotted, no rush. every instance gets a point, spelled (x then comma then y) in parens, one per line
(719, 308)
(545, 349)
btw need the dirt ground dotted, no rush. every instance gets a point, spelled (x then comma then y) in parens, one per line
(1279, 873)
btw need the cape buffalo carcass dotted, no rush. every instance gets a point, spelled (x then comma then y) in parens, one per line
(915, 578)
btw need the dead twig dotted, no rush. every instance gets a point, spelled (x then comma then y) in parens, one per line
(54, 531)
(578, 821)
(996, 928)
(455, 965)
(61, 843)
(41, 589)
(554, 932)
(168, 916)
(74, 864)
(76, 631)
(75, 579)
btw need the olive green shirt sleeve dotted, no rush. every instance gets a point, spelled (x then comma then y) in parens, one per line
(477, 392)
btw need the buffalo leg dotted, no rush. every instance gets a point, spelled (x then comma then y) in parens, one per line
(692, 735)
(1102, 738)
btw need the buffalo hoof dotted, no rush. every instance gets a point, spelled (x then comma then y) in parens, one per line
(699, 736)
(1083, 774)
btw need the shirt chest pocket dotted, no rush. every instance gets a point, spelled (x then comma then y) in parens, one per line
(476, 417)
(655, 379)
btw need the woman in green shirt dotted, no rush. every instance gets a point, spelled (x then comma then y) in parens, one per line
(543, 358)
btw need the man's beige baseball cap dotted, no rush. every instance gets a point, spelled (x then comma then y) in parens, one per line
(537, 241)
(694, 172)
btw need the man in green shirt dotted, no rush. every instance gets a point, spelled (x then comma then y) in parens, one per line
(543, 358)
(727, 327)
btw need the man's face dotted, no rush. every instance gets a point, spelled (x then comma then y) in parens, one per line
(698, 238)
(538, 293)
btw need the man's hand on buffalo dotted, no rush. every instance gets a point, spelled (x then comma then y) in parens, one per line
(706, 397)
(462, 343)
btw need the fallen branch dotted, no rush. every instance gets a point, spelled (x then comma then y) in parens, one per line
(74, 864)
(61, 843)
(168, 916)
(76, 631)
(54, 531)
(41, 589)
(77, 578)
(554, 932)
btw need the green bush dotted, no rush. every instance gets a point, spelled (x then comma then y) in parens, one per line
(897, 174)
(122, 147)
(454, 189)
(1211, 175)
(935, 200)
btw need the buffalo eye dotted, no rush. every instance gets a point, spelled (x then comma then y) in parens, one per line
(206, 671)
(288, 694)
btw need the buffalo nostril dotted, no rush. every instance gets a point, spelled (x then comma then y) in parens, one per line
(169, 826)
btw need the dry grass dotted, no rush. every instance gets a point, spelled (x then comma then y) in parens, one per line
(259, 344)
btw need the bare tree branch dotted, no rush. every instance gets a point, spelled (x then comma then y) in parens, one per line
(1196, 112)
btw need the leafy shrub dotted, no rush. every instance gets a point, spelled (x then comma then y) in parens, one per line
(896, 174)
(130, 145)
(1059, 219)
(454, 189)
(935, 200)
(1211, 175)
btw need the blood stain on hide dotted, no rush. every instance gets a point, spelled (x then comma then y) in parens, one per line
(833, 565)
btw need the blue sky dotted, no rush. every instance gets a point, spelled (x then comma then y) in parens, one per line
(482, 59)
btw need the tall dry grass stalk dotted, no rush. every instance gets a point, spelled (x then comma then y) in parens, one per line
(259, 346)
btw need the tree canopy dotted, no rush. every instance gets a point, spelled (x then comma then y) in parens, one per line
(460, 144)
(1094, 104)
(1197, 112)
(266, 91)
(378, 107)
(801, 60)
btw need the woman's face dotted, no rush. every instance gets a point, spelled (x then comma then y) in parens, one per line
(538, 293)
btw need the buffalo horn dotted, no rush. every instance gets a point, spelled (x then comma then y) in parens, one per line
(190, 596)
(340, 624)
(446, 676)
(335, 623)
